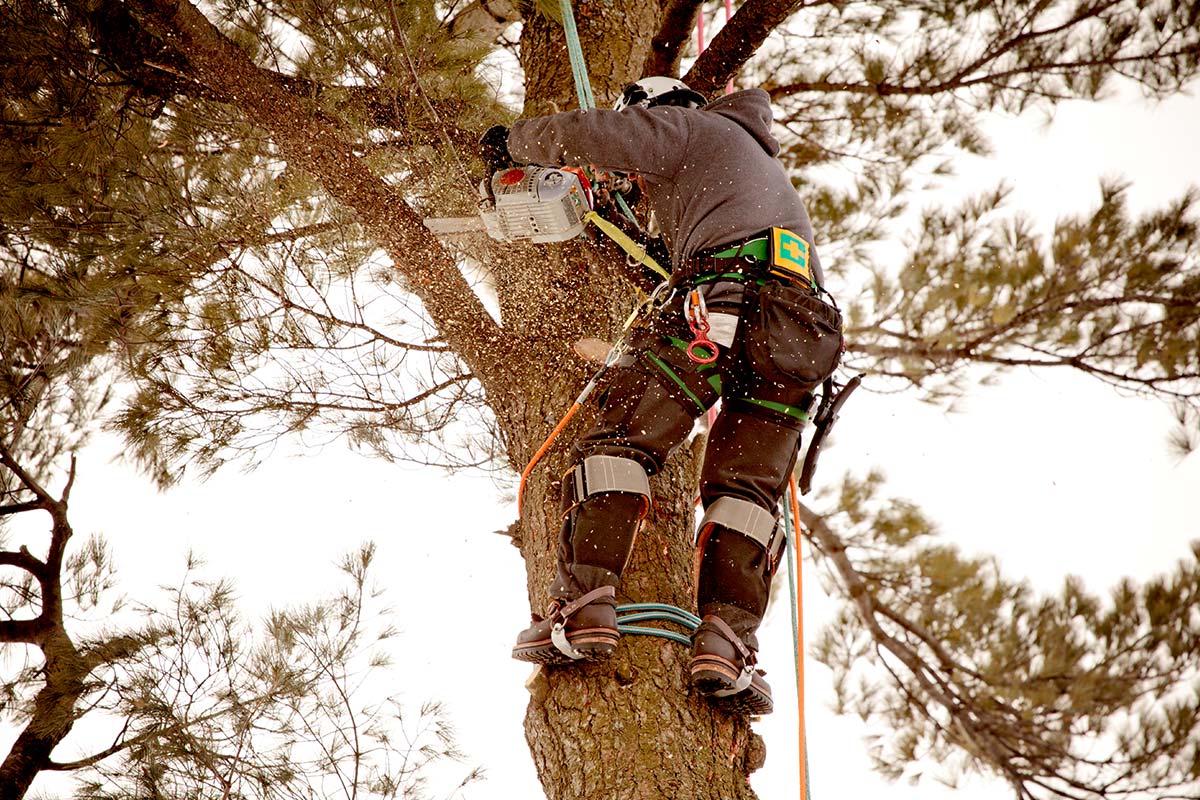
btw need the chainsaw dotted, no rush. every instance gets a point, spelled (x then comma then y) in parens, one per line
(535, 204)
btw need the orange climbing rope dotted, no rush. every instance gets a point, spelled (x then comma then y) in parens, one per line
(797, 572)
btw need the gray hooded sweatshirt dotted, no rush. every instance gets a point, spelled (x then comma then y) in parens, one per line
(711, 174)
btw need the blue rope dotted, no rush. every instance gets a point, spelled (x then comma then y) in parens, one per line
(685, 618)
(626, 210)
(583, 86)
(790, 531)
(645, 612)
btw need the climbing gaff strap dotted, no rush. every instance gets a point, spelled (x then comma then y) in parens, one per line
(583, 86)
(748, 658)
(696, 313)
(600, 474)
(748, 519)
(827, 413)
(558, 633)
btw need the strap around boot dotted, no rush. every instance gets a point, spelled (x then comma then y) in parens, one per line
(558, 633)
(749, 659)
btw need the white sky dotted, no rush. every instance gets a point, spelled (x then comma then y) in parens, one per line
(1053, 473)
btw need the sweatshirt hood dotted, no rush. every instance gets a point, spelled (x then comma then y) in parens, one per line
(751, 109)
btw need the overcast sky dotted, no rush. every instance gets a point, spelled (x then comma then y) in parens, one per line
(1053, 473)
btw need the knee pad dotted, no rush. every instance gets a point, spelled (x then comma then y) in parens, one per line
(597, 475)
(746, 519)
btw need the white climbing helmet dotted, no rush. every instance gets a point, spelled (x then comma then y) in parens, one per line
(659, 91)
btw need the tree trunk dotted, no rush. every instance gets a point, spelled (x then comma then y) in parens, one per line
(630, 727)
(52, 718)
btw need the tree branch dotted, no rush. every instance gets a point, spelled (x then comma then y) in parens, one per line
(970, 726)
(484, 20)
(430, 272)
(666, 48)
(737, 42)
(19, 508)
(22, 559)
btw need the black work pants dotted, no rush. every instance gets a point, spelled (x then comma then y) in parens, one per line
(651, 406)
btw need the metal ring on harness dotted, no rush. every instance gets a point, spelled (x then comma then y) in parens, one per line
(702, 340)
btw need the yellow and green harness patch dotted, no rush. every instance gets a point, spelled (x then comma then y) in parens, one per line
(789, 256)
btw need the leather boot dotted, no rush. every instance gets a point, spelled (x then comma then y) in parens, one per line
(733, 590)
(581, 623)
(584, 629)
(724, 661)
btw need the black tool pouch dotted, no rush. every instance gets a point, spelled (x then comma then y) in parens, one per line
(793, 337)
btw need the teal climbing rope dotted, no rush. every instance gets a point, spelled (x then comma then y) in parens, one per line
(645, 612)
(790, 529)
(583, 86)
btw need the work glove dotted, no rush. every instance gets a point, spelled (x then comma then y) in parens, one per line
(493, 148)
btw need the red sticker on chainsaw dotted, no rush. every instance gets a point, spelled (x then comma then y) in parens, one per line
(512, 176)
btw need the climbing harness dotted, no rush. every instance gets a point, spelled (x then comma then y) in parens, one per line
(702, 350)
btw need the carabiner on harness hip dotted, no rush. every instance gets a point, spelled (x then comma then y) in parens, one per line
(696, 313)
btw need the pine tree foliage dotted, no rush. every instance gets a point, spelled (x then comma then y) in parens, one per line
(222, 205)
(1110, 295)
(1068, 695)
(233, 286)
(211, 706)
(198, 702)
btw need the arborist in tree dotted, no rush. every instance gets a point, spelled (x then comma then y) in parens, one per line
(747, 322)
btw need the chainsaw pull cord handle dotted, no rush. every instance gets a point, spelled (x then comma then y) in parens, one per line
(696, 313)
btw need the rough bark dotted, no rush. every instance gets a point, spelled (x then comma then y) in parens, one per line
(484, 20)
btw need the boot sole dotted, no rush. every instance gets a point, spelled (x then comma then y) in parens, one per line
(711, 674)
(596, 644)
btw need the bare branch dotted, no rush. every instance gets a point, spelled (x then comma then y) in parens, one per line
(737, 42)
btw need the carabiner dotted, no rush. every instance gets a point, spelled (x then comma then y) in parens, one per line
(696, 314)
